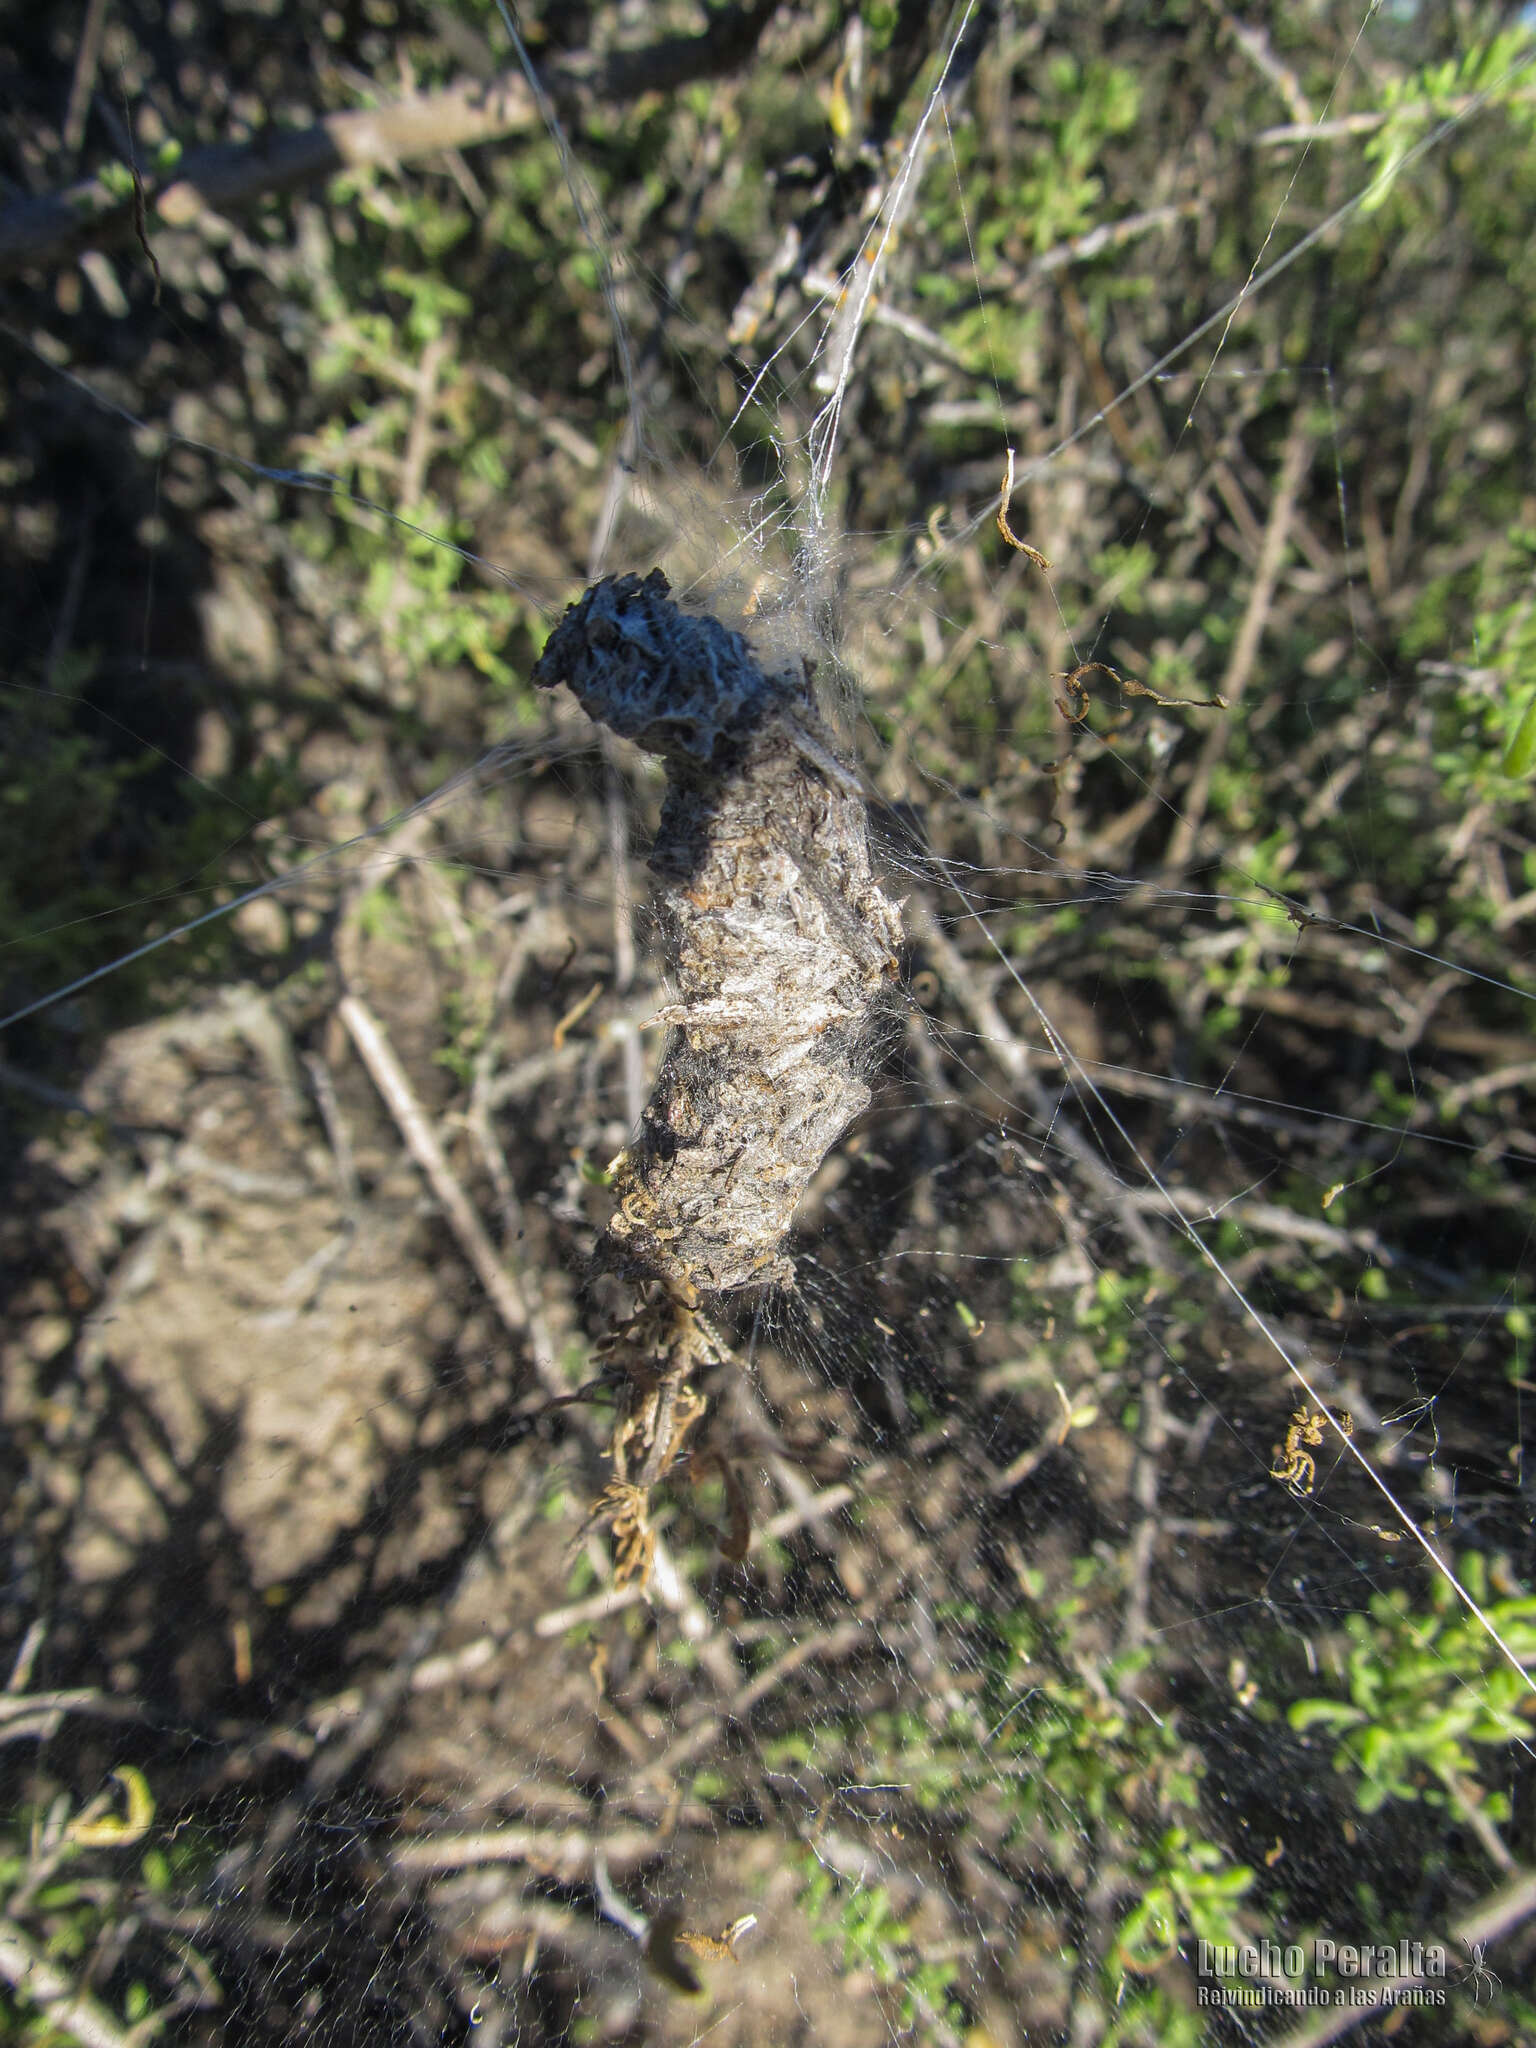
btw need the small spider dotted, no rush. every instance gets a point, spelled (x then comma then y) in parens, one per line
(1294, 1464)
(1480, 1979)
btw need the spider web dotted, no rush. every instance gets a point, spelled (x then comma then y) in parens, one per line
(1154, 1332)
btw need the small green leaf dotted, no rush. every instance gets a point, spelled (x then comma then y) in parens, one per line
(1520, 754)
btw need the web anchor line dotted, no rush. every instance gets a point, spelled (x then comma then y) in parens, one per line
(781, 947)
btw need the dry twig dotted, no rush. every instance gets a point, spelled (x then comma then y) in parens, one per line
(506, 1291)
(1498, 1915)
(567, 1856)
(225, 176)
(1234, 683)
(24, 1966)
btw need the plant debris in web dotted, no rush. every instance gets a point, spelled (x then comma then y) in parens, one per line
(781, 947)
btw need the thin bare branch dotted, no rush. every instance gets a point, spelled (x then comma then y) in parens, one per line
(225, 176)
(566, 1855)
(1240, 666)
(507, 1294)
(72, 2012)
(1499, 1914)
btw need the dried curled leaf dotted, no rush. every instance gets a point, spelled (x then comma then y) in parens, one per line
(95, 1829)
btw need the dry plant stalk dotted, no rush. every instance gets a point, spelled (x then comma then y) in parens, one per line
(781, 946)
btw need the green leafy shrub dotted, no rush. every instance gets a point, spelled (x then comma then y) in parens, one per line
(1428, 1689)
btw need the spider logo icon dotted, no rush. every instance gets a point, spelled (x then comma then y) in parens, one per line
(1481, 1981)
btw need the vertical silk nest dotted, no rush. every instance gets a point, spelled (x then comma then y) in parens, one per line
(780, 946)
